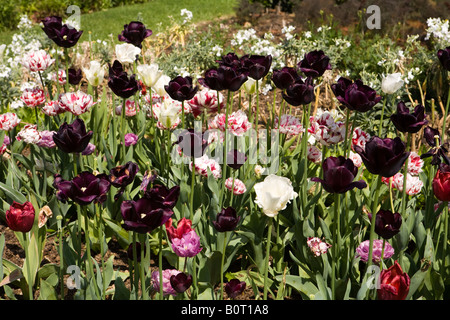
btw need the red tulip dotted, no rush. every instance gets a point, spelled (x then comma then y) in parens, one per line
(20, 217)
(394, 283)
(441, 183)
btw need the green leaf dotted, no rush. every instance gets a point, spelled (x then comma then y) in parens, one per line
(416, 281)
(121, 292)
(47, 291)
(12, 193)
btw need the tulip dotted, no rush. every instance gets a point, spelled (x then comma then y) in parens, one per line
(183, 227)
(355, 96)
(285, 77)
(135, 32)
(441, 183)
(20, 217)
(256, 66)
(75, 76)
(438, 151)
(273, 194)
(166, 285)
(181, 88)
(83, 189)
(362, 251)
(76, 103)
(235, 159)
(405, 121)
(95, 73)
(188, 245)
(63, 35)
(122, 176)
(300, 93)
(130, 139)
(231, 60)
(235, 185)
(36, 61)
(167, 113)
(192, 143)
(226, 220)
(149, 74)
(384, 157)
(234, 288)
(33, 97)
(317, 246)
(46, 139)
(138, 249)
(165, 196)
(223, 78)
(392, 83)
(207, 100)
(394, 283)
(8, 121)
(387, 224)
(338, 175)
(72, 138)
(29, 134)
(444, 57)
(144, 215)
(127, 53)
(119, 82)
(314, 64)
(180, 282)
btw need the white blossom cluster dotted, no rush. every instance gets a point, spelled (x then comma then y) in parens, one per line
(439, 30)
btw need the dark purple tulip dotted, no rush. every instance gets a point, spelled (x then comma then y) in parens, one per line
(438, 151)
(122, 176)
(226, 220)
(234, 287)
(405, 121)
(338, 175)
(119, 82)
(256, 66)
(83, 189)
(223, 78)
(383, 156)
(387, 224)
(144, 215)
(135, 32)
(314, 64)
(235, 159)
(62, 34)
(72, 138)
(444, 57)
(75, 76)
(355, 96)
(160, 193)
(285, 77)
(192, 143)
(181, 88)
(181, 282)
(299, 93)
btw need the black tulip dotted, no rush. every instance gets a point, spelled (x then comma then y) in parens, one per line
(135, 32)
(256, 66)
(234, 288)
(181, 88)
(119, 82)
(72, 138)
(122, 176)
(444, 57)
(235, 159)
(285, 77)
(355, 96)
(406, 121)
(314, 64)
(75, 76)
(181, 282)
(299, 93)
(387, 224)
(63, 35)
(226, 220)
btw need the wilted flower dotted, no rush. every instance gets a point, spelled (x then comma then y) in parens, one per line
(392, 83)
(285, 77)
(383, 156)
(29, 134)
(119, 82)
(83, 189)
(167, 287)
(300, 92)
(62, 34)
(226, 220)
(363, 250)
(95, 73)
(44, 214)
(355, 96)
(37, 60)
(338, 175)
(444, 57)
(405, 121)
(394, 283)
(33, 97)
(8, 121)
(76, 102)
(127, 53)
(180, 282)
(234, 288)
(72, 138)
(181, 88)
(317, 246)
(122, 176)
(52, 108)
(135, 32)
(20, 217)
(314, 64)
(441, 183)
(273, 194)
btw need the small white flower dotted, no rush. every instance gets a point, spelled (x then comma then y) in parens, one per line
(127, 53)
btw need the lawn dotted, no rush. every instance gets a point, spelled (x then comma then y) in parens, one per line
(154, 14)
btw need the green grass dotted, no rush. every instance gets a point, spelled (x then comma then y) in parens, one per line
(152, 13)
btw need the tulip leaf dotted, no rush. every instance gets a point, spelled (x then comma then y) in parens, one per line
(2, 247)
(46, 291)
(32, 260)
(416, 281)
(121, 292)
(323, 289)
(13, 194)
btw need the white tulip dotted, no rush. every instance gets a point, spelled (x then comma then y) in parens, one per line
(273, 194)
(149, 74)
(158, 87)
(126, 52)
(167, 114)
(95, 73)
(391, 83)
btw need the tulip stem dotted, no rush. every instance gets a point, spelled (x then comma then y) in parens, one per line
(266, 264)
(28, 258)
(135, 266)
(191, 200)
(161, 292)
(222, 263)
(444, 249)
(347, 138)
(382, 116)
(90, 265)
(66, 55)
(405, 174)
(336, 243)
(444, 121)
(122, 127)
(377, 186)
